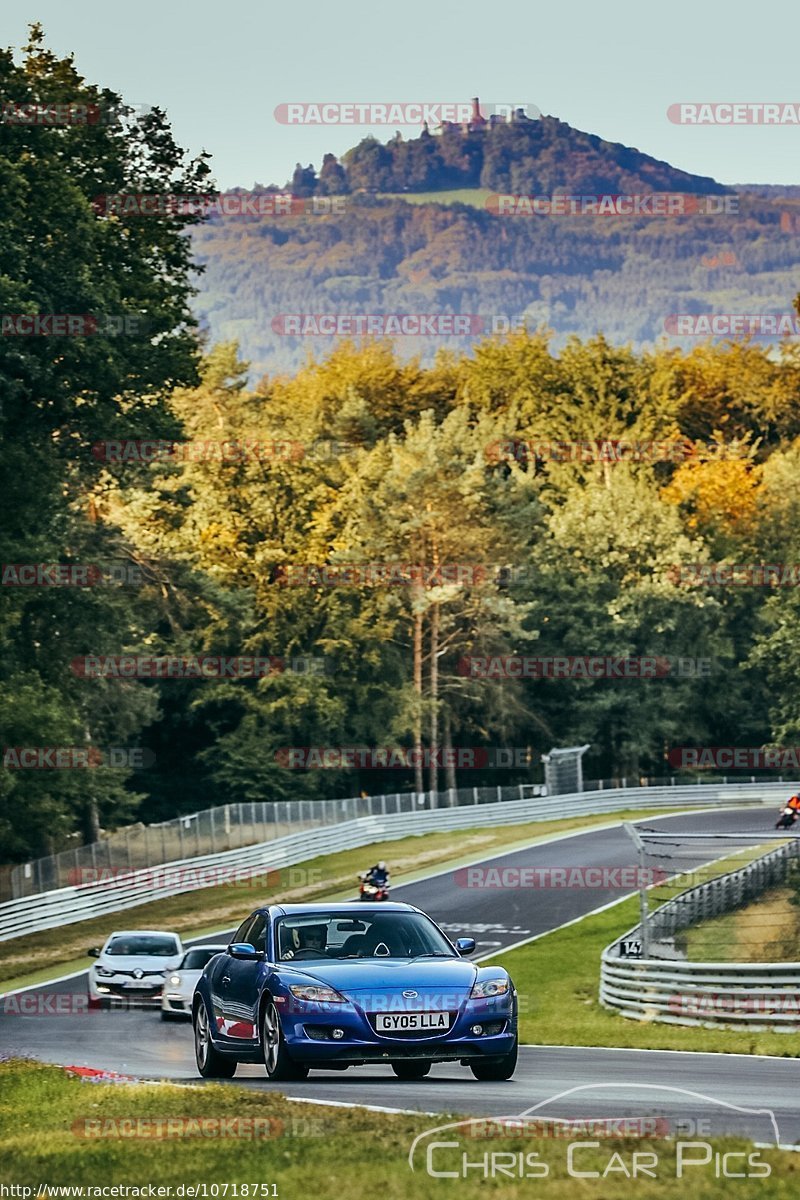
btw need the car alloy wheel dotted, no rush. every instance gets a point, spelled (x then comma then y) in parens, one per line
(272, 1038)
(210, 1063)
(277, 1060)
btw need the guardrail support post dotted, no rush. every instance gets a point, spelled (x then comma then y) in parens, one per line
(633, 834)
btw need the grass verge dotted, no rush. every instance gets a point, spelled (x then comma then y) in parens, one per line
(558, 978)
(766, 930)
(35, 957)
(60, 1132)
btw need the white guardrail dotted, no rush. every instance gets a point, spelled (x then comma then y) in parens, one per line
(729, 995)
(64, 906)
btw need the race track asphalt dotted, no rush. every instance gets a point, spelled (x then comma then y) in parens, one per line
(683, 1087)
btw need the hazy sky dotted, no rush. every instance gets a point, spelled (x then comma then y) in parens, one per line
(220, 69)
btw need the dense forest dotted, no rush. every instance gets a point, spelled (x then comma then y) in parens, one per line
(442, 467)
(571, 274)
(525, 155)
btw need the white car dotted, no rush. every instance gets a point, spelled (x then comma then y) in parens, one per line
(132, 966)
(176, 999)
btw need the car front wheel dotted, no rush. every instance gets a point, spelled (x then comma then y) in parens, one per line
(210, 1063)
(496, 1068)
(279, 1064)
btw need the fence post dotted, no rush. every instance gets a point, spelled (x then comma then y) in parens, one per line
(633, 834)
(474, 795)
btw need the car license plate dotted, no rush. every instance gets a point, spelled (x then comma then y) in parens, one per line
(401, 1022)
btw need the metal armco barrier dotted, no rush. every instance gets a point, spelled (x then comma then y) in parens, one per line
(66, 905)
(674, 991)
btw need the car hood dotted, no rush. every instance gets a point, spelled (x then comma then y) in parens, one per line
(133, 962)
(392, 975)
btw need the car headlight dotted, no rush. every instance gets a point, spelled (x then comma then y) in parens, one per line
(484, 988)
(321, 994)
(175, 980)
(104, 971)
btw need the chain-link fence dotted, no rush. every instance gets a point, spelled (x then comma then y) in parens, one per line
(232, 826)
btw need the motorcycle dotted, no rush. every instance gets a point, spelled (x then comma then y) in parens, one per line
(787, 818)
(372, 891)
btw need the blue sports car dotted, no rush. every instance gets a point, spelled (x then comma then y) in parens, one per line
(337, 986)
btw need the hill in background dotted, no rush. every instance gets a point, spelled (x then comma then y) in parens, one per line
(416, 236)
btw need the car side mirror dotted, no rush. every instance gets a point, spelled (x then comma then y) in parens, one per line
(94, 952)
(465, 946)
(246, 952)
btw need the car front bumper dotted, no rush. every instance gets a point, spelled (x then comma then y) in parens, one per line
(177, 1003)
(310, 1037)
(122, 990)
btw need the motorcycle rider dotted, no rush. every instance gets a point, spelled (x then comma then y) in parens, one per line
(378, 875)
(794, 803)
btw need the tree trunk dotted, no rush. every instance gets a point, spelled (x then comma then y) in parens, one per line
(91, 817)
(419, 785)
(433, 776)
(91, 823)
(449, 764)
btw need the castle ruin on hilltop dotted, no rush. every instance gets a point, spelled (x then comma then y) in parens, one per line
(477, 122)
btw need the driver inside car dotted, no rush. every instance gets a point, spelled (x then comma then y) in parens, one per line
(307, 937)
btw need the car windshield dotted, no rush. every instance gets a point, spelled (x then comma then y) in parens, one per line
(137, 943)
(195, 960)
(378, 935)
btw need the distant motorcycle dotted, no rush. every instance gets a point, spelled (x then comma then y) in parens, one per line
(787, 818)
(372, 891)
